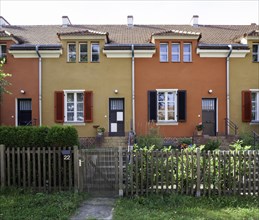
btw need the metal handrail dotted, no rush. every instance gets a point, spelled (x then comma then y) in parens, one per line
(255, 138)
(230, 124)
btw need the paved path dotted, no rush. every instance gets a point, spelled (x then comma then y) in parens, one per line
(95, 208)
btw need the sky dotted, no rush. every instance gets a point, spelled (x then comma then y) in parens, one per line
(32, 12)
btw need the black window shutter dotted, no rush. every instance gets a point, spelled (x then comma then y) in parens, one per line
(182, 105)
(152, 106)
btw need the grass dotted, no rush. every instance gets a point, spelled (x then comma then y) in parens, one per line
(19, 204)
(186, 207)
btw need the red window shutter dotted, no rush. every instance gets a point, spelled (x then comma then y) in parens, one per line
(88, 111)
(59, 106)
(246, 106)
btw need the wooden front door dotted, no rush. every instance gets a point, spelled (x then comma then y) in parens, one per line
(24, 112)
(116, 117)
(209, 116)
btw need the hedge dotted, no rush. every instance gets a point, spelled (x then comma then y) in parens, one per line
(29, 136)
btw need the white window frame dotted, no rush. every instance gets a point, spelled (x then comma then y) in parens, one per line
(187, 53)
(75, 106)
(174, 91)
(255, 53)
(83, 53)
(95, 53)
(68, 52)
(163, 53)
(3, 55)
(176, 53)
(256, 102)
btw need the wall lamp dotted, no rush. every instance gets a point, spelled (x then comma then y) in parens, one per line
(22, 91)
(210, 91)
(116, 91)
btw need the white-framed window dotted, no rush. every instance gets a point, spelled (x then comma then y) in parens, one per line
(163, 52)
(255, 106)
(187, 52)
(83, 52)
(175, 52)
(71, 54)
(74, 106)
(255, 52)
(2, 51)
(95, 49)
(166, 105)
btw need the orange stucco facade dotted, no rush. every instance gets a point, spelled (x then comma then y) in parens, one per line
(24, 77)
(196, 77)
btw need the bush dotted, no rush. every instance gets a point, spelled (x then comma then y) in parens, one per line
(38, 136)
(212, 145)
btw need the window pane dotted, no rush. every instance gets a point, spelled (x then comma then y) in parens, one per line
(70, 97)
(170, 96)
(175, 58)
(255, 57)
(72, 57)
(83, 57)
(95, 48)
(80, 97)
(187, 48)
(70, 107)
(176, 48)
(171, 116)
(161, 96)
(83, 47)
(163, 58)
(80, 116)
(70, 116)
(163, 48)
(255, 48)
(186, 58)
(95, 57)
(161, 115)
(170, 106)
(72, 48)
(161, 106)
(80, 106)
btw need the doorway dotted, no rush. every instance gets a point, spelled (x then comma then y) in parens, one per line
(209, 116)
(116, 117)
(24, 112)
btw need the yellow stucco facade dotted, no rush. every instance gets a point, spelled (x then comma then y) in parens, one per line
(244, 75)
(102, 78)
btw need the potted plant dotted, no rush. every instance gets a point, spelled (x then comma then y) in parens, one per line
(100, 131)
(199, 128)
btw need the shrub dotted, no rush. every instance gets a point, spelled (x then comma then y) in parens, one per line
(30, 136)
(212, 145)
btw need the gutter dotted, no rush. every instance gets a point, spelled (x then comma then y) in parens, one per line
(228, 97)
(133, 87)
(40, 85)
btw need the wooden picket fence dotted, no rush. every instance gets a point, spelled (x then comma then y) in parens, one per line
(192, 173)
(42, 169)
(132, 173)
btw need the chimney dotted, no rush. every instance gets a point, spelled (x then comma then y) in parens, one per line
(195, 20)
(65, 21)
(130, 21)
(3, 22)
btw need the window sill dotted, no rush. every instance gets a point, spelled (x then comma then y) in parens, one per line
(167, 123)
(74, 123)
(71, 61)
(254, 123)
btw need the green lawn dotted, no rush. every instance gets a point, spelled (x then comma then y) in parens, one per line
(17, 204)
(186, 207)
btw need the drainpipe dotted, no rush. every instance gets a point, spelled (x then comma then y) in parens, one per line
(40, 92)
(133, 87)
(228, 56)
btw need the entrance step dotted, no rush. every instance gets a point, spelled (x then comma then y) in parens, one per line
(113, 142)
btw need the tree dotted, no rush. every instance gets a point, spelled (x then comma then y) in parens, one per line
(3, 82)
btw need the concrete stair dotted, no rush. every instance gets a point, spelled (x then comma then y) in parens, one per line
(112, 142)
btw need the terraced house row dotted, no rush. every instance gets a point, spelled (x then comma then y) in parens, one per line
(121, 77)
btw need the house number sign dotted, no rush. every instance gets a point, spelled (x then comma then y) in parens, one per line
(66, 154)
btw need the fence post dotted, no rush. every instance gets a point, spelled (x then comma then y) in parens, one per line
(120, 172)
(2, 165)
(198, 188)
(76, 169)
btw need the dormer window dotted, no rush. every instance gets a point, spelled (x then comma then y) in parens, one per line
(83, 56)
(2, 51)
(71, 55)
(255, 52)
(95, 52)
(187, 52)
(163, 52)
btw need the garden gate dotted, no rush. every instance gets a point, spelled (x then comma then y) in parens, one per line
(100, 171)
